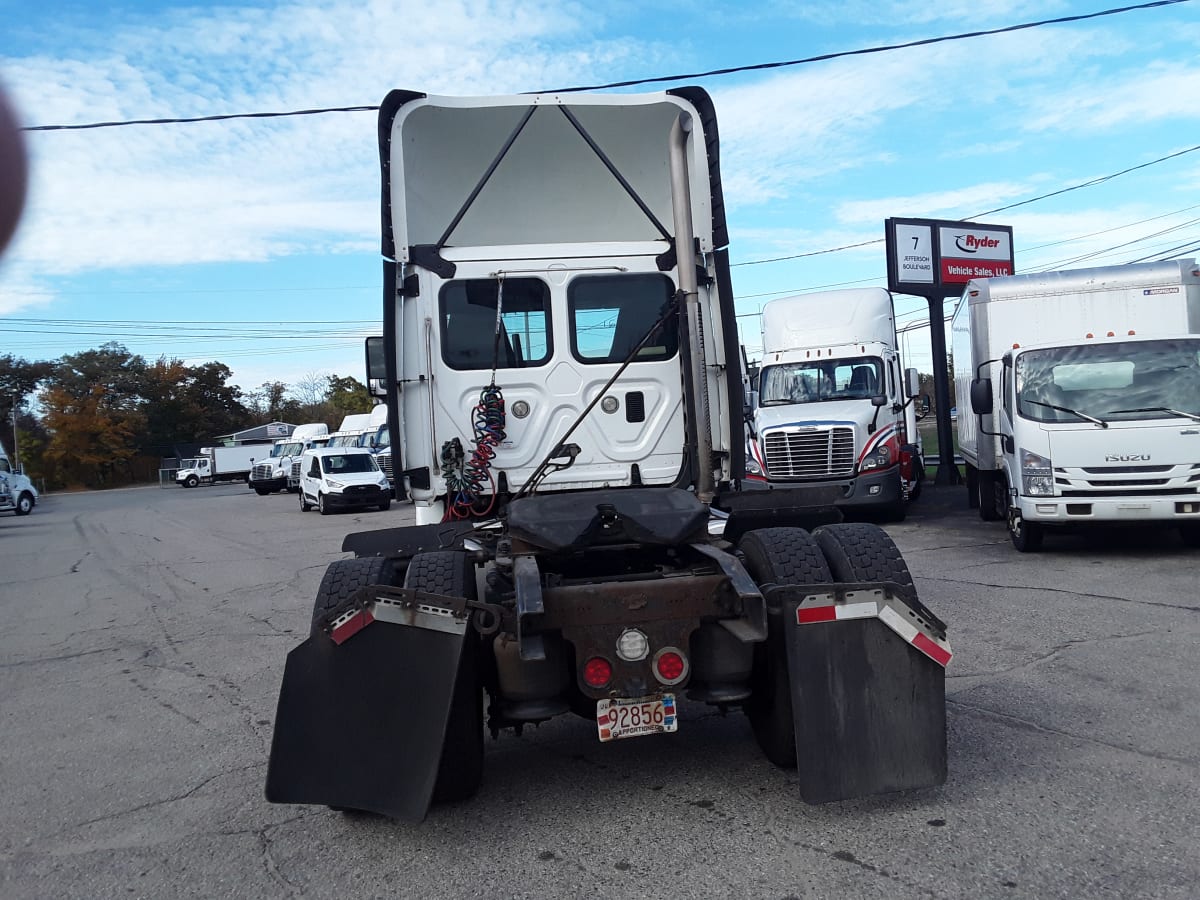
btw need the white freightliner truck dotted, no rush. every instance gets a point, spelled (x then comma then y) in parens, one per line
(561, 369)
(221, 464)
(17, 493)
(274, 473)
(835, 404)
(1084, 390)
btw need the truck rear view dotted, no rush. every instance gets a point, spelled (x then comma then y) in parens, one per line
(564, 400)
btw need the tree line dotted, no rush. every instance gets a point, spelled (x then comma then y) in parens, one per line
(107, 417)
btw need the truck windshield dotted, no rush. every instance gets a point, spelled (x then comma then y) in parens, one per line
(350, 462)
(815, 381)
(1117, 382)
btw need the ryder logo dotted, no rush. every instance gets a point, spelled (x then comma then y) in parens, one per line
(969, 243)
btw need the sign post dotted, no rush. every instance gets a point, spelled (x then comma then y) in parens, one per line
(934, 259)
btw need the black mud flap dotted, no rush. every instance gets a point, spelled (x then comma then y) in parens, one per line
(361, 725)
(870, 710)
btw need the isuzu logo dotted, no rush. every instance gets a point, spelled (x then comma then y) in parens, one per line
(969, 243)
(1127, 457)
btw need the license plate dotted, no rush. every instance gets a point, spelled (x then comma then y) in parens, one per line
(635, 717)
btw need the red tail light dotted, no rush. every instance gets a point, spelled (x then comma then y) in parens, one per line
(670, 665)
(597, 672)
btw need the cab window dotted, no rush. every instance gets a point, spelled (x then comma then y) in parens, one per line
(468, 323)
(610, 314)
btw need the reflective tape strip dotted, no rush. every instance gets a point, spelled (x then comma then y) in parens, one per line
(929, 644)
(349, 624)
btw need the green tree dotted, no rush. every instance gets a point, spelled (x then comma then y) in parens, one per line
(18, 379)
(346, 394)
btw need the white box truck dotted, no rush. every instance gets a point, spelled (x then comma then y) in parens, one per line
(835, 405)
(222, 464)
(1084, 392)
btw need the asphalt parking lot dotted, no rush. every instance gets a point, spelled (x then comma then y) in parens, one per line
(144, 638)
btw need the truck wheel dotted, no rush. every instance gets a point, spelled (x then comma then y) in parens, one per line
(262, 492)
(192, 481)
(460, 771)
(1026, 537)
(342, 580)
(992, 496)
(860, 552)
(778, 556)
(322, 506)
(24, 504)
(386, 504)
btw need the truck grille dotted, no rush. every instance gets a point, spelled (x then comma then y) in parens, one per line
(385, 463)
(820, 453)
(296, 470)
(262, 472)
(1127, 481)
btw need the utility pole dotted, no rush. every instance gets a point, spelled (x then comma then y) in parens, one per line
(16, 460)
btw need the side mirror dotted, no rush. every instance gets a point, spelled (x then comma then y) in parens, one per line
(981, 396)
(376, 367)
(879, 400)
(912, 383)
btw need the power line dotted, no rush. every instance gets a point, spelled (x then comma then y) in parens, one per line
(868, 50)
(731, 70)
(1075, 187)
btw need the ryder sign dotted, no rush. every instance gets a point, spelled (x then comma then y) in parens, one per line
(931, 257)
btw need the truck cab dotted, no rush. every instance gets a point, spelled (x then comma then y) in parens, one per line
(1101, 432)
(275, 473)
(834, 404)
(17, 493)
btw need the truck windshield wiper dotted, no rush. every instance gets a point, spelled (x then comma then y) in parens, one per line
(1067, 409)
(1166, 409)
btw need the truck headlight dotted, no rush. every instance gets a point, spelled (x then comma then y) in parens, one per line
(879, 458)
(336, 485)
(753, 468)
(383, 482)
(1037, 475)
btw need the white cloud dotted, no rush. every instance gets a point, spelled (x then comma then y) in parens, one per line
(1158, 91)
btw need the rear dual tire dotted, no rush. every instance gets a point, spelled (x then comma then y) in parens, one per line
(845, 552)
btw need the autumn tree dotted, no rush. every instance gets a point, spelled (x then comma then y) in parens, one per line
(93, 413)
(91, 437)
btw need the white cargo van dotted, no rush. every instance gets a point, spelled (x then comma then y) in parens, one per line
(334, 478)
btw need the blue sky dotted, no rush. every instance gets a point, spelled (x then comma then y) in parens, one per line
(255, 242)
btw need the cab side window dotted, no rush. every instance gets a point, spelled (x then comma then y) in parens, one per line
(314, 471)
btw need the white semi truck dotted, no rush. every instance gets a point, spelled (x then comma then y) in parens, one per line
(274, 473)
(564, 395)
(1084, 390)
(17, 493)
(835, 403)
(221, 464)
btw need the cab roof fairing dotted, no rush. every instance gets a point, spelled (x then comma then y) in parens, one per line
(434, 151)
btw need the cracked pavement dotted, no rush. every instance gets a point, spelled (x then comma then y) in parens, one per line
(144, 638)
